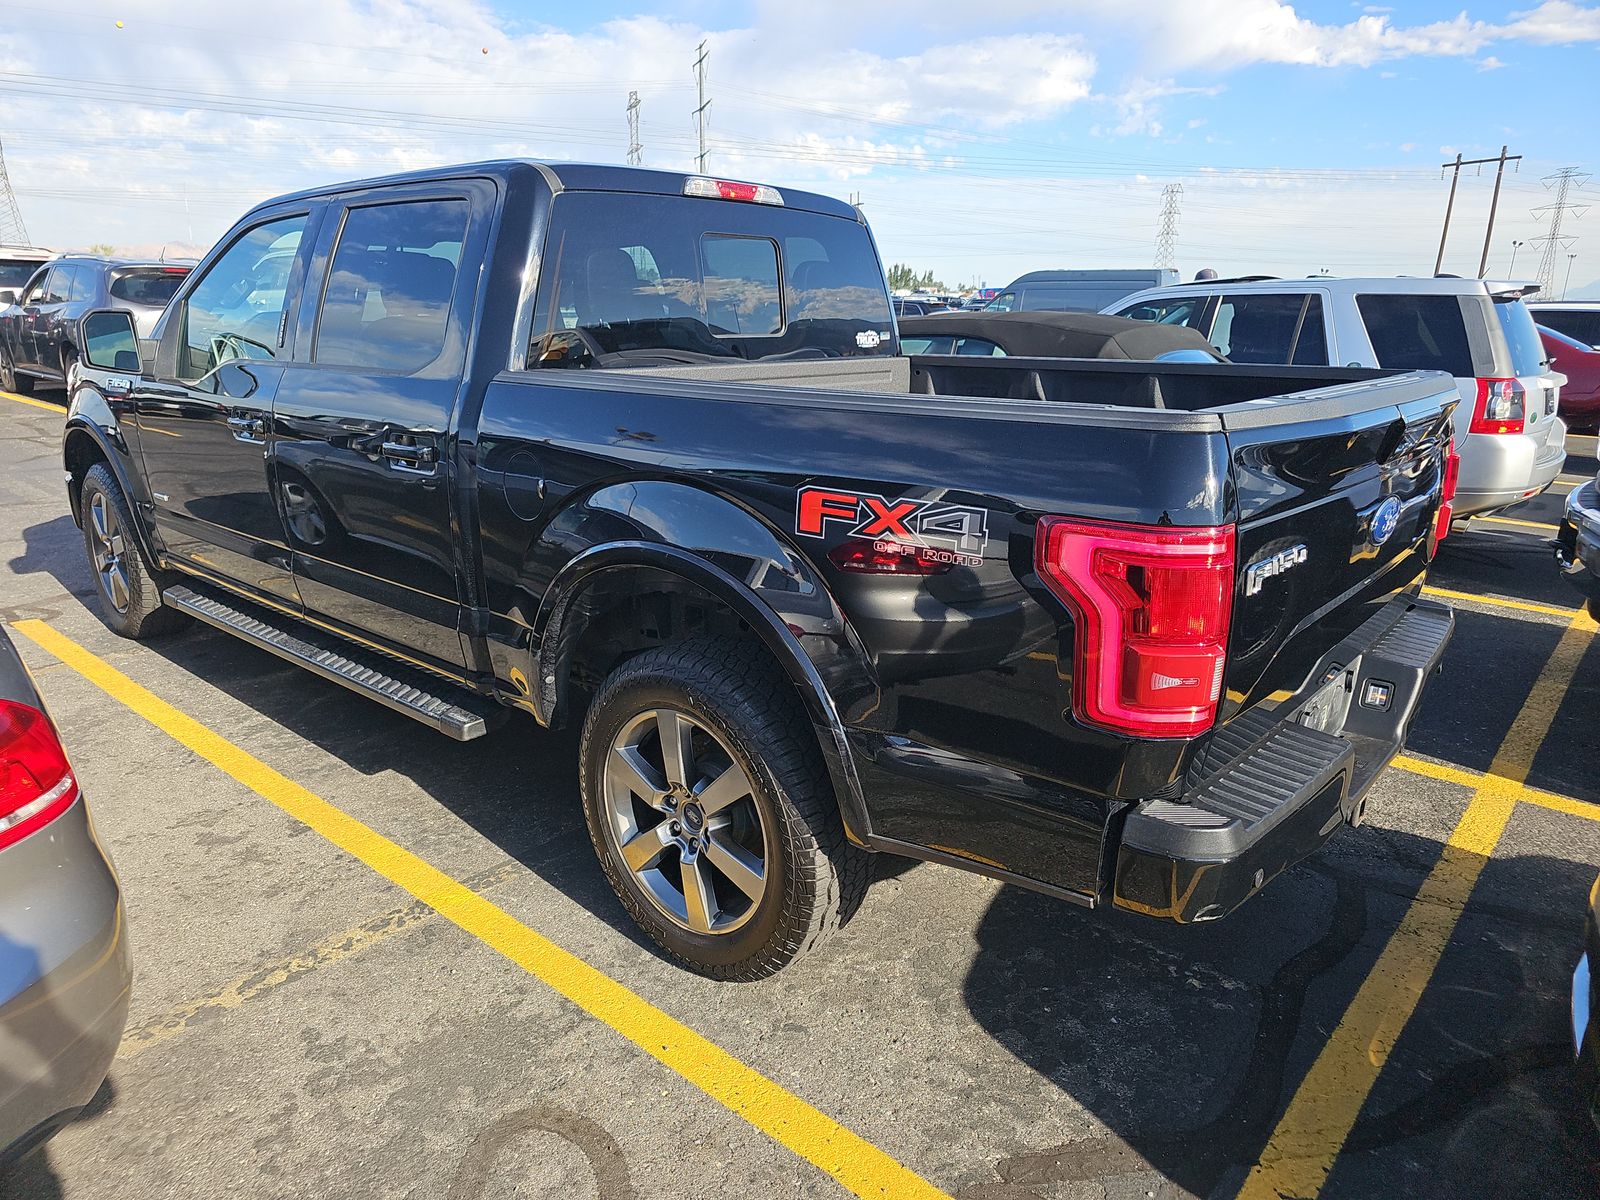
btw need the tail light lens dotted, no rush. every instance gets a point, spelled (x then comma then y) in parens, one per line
(1152, 606)
(1502, 407)
(36, 783)
(1447, 492)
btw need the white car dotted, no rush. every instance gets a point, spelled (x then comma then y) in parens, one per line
(1511, 442)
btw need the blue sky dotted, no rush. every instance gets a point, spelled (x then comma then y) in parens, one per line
(983, 140)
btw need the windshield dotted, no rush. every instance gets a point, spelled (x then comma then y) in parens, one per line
(14, 273)
(632, 280)
(1522, 336)
(150, 286)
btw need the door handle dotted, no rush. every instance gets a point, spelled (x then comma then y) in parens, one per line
(248, 429)
(411, 458)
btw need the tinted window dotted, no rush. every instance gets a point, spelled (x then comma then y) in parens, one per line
(151, 286)
(706, 280)
(1522, 337)
(14, 274)
(56, 285)
(236, 309)
(35, 290)
(80, 283)
(387, 303)
(1270, 327)
(1417, 333)
(1581, 324)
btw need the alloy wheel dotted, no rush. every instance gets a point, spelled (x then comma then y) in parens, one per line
(109, 548)
(682, 816)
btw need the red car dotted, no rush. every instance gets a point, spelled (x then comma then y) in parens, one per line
(1580, 398)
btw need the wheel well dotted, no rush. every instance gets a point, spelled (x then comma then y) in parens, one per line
(81, 453)
(623, 613)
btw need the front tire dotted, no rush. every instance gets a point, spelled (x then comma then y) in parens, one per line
(711, 811)
(127, 587)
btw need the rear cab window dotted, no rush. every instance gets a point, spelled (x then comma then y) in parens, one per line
(634, 280)
(1418, 333)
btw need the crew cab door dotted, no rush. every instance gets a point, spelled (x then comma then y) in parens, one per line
(366, 413)
(205, 412)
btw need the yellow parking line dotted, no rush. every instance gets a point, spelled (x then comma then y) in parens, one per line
(850, 1159)
(1469, 778)
(1313, 1130)
(32, 403)
(1518, 523)
(1549, 610)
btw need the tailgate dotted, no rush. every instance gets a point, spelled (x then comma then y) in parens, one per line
(1336, 500)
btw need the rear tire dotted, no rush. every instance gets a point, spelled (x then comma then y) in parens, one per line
(10, 379)
(126, 585)
(739, 864)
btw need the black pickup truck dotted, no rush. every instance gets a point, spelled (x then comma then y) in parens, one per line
(639, 449)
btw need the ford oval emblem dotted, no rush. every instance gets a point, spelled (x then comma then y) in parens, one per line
(1384, 520)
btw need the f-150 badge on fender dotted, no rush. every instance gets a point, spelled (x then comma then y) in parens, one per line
(1257, 573)
(934, 530)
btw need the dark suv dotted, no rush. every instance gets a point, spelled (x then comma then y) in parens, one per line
(38, 335)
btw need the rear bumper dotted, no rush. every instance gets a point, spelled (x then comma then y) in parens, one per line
(64, 978)
(1282, 786)
(1577, 543)
(1499, 470)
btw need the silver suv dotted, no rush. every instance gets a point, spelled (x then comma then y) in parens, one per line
(1511, 442)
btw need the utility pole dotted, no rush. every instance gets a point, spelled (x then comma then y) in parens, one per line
(12, 230)
(1502, 159)
(1568, 282)
(635, 150)
(1483, 261)
(1563, 182)
(1167, 235)
(1438, 262)
(700, 112)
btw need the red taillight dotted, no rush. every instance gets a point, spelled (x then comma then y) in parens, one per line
(1152, 605)
(1447, 492)
(1501, 407)
(861, 557)
(36, 784)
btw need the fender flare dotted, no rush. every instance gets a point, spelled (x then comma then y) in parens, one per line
(560, 635)
(114, 451)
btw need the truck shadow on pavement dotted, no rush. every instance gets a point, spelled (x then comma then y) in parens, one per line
(1185, 1043)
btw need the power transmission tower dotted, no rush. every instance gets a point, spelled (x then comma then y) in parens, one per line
(12, 230)
(700, 113)
(1563, 181)
(1167, 236)
(635, 150)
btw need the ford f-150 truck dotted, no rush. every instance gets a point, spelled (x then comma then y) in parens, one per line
(640, 450)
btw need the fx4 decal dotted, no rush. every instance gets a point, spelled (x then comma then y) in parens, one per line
(934, 530)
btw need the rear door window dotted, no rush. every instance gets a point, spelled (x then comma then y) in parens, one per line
(1274, 328)
(1582, 325)
(1522, 337)
(80, 285)
(1417, 333)
(387, 302)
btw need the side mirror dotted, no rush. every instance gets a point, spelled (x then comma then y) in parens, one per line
(109, 341)
(8, 295)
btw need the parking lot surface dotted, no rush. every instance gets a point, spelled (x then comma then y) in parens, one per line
(374, 962)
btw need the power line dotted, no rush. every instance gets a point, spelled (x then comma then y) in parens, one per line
(1563, 182)
(1455, 168)
(1167, 236)
(635, 150)
(12, 230)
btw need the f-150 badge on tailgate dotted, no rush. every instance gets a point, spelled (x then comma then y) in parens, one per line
(932, 529)
(1257, 573)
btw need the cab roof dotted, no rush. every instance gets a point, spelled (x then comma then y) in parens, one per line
(576, 177)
